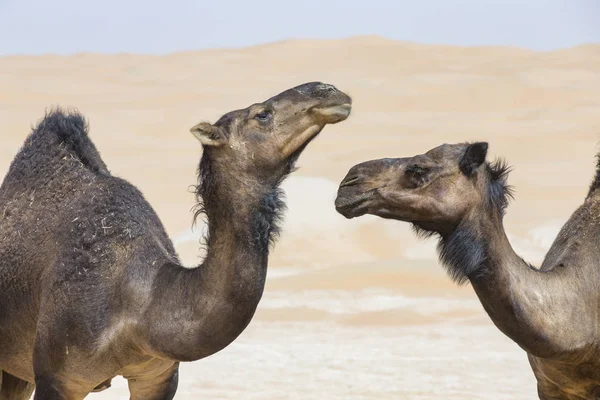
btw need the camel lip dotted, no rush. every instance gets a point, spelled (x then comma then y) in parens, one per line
(334, 113)
(351, 205)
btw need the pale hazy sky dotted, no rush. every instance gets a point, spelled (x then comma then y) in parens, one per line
(152, 26)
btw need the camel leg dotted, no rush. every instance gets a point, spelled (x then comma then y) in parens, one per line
(549, 393)
(160, 387)
(12, 388)
(48, 388)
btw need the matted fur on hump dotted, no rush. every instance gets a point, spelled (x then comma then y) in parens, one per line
(59, 132)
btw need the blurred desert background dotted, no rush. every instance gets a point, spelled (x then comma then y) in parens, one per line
(353, 309)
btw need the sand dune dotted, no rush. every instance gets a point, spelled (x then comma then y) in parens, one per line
(353, 309)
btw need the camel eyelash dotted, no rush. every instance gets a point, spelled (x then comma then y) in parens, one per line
(417, 170)
(263, 115)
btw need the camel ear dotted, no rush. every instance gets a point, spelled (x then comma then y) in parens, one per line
(474, 156)
(209, 135)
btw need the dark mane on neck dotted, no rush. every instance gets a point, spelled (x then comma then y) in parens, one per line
(267, 214)
(266, 224)
(205, 187)
(464, 251)
(499, 193)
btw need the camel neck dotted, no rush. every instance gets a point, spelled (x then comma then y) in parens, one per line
(214, 302)
(242, 214)
(522, 301)
(239, 229)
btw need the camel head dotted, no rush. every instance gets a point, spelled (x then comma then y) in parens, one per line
(434, 191)
(266, 138)
(247, 154)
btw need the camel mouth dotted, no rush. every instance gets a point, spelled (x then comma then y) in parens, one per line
(333, 114)
(352, 204)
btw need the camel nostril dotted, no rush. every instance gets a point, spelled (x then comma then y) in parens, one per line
(349, 181)
(325, 87)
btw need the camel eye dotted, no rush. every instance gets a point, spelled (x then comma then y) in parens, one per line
(417, 170)
(263, 116)
(417, 175)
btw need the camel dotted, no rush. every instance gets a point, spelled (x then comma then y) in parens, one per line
(454, 193)
(90, 284)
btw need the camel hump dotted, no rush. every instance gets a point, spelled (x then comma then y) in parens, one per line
(596, 182)
(72, 129)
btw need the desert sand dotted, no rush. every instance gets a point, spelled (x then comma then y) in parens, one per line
(355, 309)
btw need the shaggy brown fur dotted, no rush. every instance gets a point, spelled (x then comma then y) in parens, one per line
(90, 284)
(551, 312)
